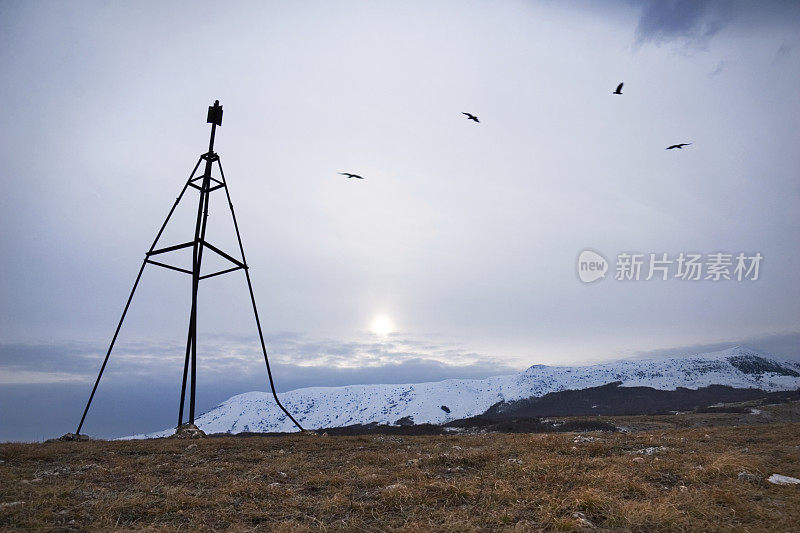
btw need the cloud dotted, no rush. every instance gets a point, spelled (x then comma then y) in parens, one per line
(786, 345)
(783, 52)
(690, 21)
(722, 65)
(44, 387)
(307, 361)
(45, 363)
(694, 22)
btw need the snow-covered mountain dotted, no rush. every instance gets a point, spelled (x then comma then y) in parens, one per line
(439, 402)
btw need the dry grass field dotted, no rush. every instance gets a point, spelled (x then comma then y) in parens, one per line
(665, 478)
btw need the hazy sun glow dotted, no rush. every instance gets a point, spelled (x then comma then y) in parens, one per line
(382, 325)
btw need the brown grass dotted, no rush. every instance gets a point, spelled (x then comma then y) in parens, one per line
(373, 483)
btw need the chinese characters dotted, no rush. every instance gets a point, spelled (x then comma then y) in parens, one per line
(688, 266)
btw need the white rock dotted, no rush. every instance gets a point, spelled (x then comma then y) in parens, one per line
(778, 479)
(10, 504)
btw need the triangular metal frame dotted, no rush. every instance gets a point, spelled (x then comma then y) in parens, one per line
(207, 185)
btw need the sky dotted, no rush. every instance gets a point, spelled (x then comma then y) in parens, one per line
(455, 257)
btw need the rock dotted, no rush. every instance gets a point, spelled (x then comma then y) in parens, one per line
(57, 471)
(651, 450)
(750, 478)
(778, 479)
(10, 504)
(405, 421)
(582, 520)
(70, 437)
(188, 431)
(191, 447)
(515, 461)
(582, 438)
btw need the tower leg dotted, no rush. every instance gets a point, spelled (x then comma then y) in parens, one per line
(185, 370)
(197, 260)
(130, 298)
(192, 394)
(111, 346)
(253, 300)
(264, 350)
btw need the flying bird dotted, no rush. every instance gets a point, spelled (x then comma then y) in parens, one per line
(349, 175)
(678, 146)
(470, 116)
(619, 89)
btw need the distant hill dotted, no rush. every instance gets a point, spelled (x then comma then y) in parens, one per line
(613, 399)
(516, 394)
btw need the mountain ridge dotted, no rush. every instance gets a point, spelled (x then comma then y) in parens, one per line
(444, 401)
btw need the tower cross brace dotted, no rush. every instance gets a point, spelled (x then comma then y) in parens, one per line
(208, 184)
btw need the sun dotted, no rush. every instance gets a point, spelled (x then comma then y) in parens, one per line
(382, 325)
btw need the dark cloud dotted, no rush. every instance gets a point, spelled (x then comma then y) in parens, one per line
(408, 371)
(786, 345)
(48, 362)
(693, 21)
(349, 361)
(783, 52)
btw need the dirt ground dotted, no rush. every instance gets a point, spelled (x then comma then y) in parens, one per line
(698, 472)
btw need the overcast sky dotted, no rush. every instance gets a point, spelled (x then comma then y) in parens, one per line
(463, 237)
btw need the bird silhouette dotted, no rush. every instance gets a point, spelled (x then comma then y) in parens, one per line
(349, 175)
(678, 146)
(470, 116)
(619, 89)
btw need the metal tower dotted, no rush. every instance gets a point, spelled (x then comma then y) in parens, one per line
(205, 184)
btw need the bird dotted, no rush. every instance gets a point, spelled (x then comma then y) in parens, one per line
(470, 116)
(619, 89)
(678, 146)
(349, 175)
